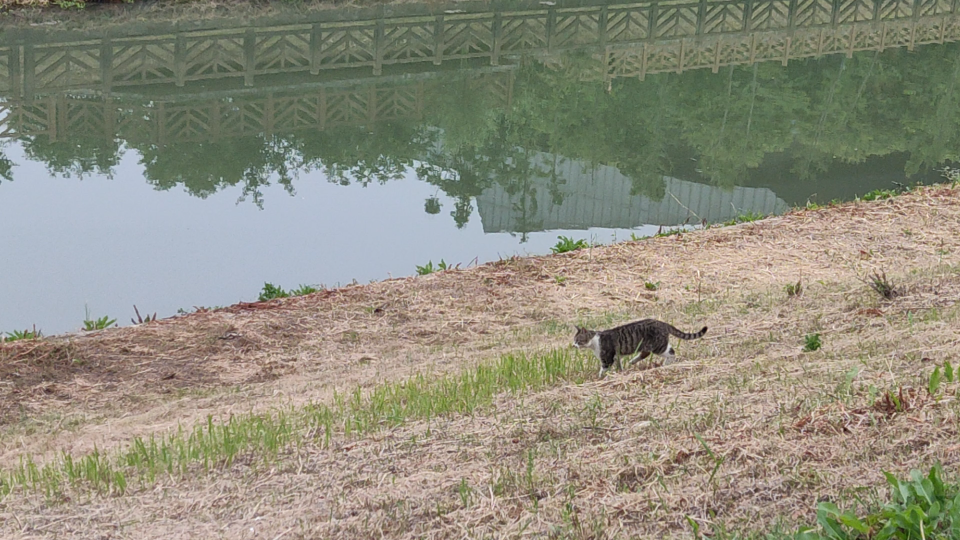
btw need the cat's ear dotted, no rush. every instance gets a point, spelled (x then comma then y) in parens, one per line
(578, 328)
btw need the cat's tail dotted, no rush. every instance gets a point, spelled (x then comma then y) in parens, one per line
(684, 335)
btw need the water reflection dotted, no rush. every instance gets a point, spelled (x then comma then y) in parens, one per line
(538, 117)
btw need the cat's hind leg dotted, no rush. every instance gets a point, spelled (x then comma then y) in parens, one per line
(669, 356)
(638, 357)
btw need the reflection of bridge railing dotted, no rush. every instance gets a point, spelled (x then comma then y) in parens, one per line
(104, 64)
(730, 49)
(62, 116)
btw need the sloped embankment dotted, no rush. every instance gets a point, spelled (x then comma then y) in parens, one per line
(747, 430)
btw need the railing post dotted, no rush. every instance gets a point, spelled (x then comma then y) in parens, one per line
(180, 59)
(53, 118)
(551, 26)
(652, 21)
(378, 47)
(16, 76)
(747, 15)
(29, 73)
(438, 41)
(315, 49)
(249, 56)
(701, 15)
(161, 120)
(602, 28)
(496, 30)
(106, 65)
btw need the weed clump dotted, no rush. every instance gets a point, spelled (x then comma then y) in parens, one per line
(921, 507)
(271, 291)
(794, 289)
(17, 335)
(745, 218)
(884, 287)
(429, 268)
(98, 324)
(811, 343)
(141, 320)
(565, 244)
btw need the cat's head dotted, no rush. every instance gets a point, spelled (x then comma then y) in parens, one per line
(582, 337)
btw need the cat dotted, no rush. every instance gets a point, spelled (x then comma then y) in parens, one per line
(639, 338)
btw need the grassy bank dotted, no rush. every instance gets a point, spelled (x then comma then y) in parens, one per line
(450, 405)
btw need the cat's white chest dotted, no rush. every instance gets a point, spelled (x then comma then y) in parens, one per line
(594, 345)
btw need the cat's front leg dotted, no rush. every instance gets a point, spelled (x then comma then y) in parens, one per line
(607, 360)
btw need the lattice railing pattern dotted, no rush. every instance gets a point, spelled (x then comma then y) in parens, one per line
(693, 53)
(163, 122)
(248, 52)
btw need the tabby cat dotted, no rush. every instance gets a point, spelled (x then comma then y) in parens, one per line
(639, 338)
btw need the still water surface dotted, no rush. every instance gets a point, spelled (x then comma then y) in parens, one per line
(170, 167)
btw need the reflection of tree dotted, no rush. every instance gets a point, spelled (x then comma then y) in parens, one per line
(360, 155)
(462, 176)
(811, 114)
(432, 206)
(6, 168)
(205, 168)
(78, 156)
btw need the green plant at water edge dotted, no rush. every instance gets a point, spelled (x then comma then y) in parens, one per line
(951, 174)
(746, 218)
(141, 320)
(271, 291)
(17, 335)
(878, 194)
(429, 268)
(98, 324)
(304, 290)
(811, 342)
(70, 4)
(566, 244)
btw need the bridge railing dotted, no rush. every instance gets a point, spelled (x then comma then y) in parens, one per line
(105, 64)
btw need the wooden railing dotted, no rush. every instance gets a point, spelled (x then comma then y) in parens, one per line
(42, 80)
(60, 116)
(640, 36)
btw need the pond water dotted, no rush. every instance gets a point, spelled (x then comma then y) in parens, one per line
(170, 165)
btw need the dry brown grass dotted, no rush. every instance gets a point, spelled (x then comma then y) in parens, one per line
(747, 430)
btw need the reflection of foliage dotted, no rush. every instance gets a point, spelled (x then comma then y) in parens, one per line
(6, 168)
(78, 156)
(432, 206)
(355, 155)
(205, 168)
(469, 136)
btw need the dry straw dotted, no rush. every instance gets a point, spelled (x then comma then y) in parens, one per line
(745, 432)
